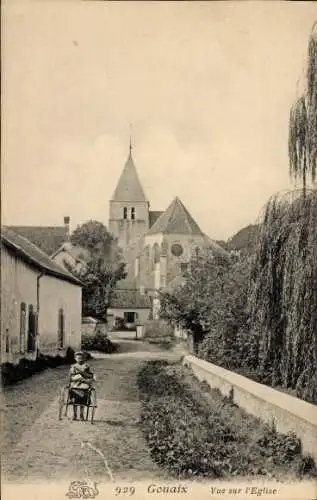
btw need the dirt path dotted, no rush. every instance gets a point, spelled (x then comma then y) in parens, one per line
(49, 448)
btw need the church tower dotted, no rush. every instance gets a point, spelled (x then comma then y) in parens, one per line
(128, 208)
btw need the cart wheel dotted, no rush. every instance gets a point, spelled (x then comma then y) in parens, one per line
(63, 403)
(92, 414)
(93, 403)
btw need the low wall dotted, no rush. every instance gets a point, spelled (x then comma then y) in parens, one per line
(288, 413)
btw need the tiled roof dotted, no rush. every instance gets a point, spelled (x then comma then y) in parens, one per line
(130, 299)
(47, 238)
(78, 253)
(129, 187)
(175, 220)
(153, 216)
(30, 253)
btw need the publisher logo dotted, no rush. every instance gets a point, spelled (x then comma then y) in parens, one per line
(81, 489)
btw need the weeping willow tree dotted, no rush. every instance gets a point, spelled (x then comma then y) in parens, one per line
(302, 143)
(283, 291)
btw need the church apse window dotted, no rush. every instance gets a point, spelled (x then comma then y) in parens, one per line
(156, 253)
(177, 250)
(125, 213)
(132, 213)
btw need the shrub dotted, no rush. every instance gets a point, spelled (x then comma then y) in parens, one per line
(158, 329)
(99, 343)
(12, 373)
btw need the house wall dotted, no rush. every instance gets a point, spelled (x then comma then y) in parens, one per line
(56, 294)
(288, 413)
(143, 314)
(19, 284)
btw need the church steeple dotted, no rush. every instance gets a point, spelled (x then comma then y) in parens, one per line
(129, 187)
(129, 207)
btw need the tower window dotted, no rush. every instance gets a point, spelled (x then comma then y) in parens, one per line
(132, 213)
(125, 213)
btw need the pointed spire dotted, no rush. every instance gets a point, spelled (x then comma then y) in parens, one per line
(129, 187)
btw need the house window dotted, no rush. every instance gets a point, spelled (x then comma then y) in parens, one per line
(125, 213)
(7, 341)
(132, 213)
(31, 329)
(129, 317)
(22, 326)
(61, 328)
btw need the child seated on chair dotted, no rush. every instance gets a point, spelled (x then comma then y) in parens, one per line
(81, 380)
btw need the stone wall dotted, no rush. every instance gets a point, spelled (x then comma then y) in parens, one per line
(289, 414)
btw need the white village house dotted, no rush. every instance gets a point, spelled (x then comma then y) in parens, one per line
(40, 302)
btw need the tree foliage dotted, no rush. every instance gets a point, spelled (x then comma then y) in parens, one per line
(283, 294)
(198, 304)
(302, 143)
(104, 267)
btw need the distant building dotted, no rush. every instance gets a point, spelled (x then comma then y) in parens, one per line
(70, 257)
(48, 238)
(40, 302)
(157, 245)
(128, 307)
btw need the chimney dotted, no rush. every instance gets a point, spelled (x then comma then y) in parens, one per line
(67, 227)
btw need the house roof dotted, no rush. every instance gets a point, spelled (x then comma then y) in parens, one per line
(130, 299)
(34, 256)
(47, 238)
(78, 253)
(129, 187)
(176, 220)
(153, 216)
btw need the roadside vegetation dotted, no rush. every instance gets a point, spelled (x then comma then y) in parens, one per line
(12, 373)
(193, 432)
(255, 312)
(98, 342)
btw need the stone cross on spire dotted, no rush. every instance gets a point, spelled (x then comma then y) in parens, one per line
(130, 146)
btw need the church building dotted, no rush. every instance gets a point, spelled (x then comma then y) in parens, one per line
(157, 245)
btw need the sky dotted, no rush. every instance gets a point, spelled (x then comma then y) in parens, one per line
(205, 86)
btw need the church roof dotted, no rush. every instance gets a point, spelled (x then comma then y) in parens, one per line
(129, 187)
(153, 216)
(176, 220)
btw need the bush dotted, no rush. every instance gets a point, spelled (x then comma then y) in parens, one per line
(191, 437)
(99, 343)
(12, 373)
(158, 329)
